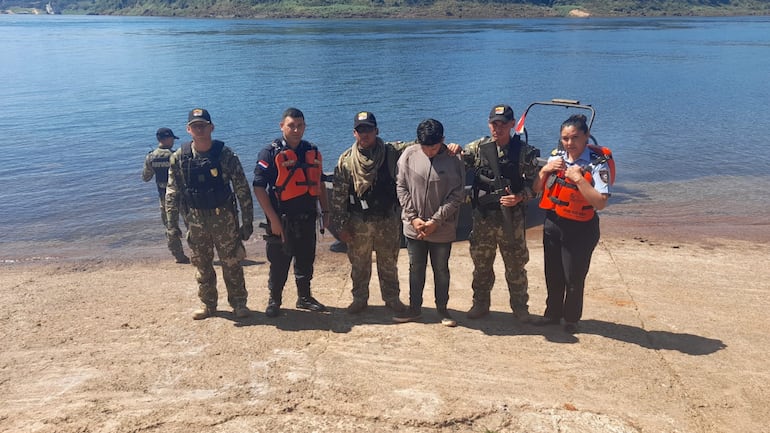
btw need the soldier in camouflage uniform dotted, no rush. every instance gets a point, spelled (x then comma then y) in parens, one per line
(518, 166)
(210, 177)
(156, 165)
(364, 212)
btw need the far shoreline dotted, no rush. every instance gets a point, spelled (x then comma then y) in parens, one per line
(442, 11)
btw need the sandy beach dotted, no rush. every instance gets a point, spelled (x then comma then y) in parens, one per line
(673, 339)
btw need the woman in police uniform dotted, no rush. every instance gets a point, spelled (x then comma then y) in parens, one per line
(575, 184)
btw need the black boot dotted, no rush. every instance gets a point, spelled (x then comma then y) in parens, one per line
(273, 307)
(310, 303)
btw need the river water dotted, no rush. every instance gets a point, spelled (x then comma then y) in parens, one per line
(680, 101)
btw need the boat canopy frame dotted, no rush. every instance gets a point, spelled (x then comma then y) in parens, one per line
(557, 102)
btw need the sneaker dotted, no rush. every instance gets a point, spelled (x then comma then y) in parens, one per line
(478, 311)
(241, 312)
(397, 306)
(205, 312)
(410, 315)
(571, 327)
(183, 259)
(273, 309)
(545, 320)
(310, 303)
(446, 319)
(357, 306)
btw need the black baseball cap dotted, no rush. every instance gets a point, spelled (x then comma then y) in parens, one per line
(165, 133)
(198, 115)
(502, 112)
(364, 118)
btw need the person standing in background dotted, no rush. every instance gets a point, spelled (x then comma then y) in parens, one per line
(365, 213)
(210, 177)
(288, 187)
(156, 165)
(430, 185)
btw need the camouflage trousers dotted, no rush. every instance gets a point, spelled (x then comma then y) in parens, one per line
(487, 235)
(381, 235)
(217, 228)
(174, 243)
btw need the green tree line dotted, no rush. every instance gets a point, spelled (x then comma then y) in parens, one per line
(395, 8)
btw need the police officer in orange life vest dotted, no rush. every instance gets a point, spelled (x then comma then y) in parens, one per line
(288, 186)
(575, 184)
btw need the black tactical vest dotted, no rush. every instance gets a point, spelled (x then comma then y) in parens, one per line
(205, 187)
(509, 168)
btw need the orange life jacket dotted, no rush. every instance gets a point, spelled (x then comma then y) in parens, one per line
(296, 177)
(562, 196)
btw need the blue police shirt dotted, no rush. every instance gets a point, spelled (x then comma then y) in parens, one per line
(600, 172)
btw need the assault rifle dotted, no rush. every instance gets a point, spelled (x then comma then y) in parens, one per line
(493, 197)
(499, 184)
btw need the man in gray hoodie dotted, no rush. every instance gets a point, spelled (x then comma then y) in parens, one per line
(430, 189)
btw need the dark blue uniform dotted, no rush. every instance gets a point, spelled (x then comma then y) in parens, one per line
(298, 218)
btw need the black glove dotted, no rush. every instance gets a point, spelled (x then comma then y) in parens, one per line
(173, 232)
(246, 231)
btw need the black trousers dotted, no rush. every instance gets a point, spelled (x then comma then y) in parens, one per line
(301, 234)
(568, 246)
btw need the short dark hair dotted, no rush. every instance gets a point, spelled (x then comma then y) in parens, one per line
(292, 112)
(430, 132)
(579, 121)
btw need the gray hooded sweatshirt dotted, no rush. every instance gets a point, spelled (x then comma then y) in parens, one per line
(430, 188)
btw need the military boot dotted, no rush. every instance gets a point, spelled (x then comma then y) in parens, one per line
(478, 310)
(521, 314)
(396, 306)
(357, 306)
(273, 308)
(181, 258)
(241, 312)
(205, 312)
(310, 303)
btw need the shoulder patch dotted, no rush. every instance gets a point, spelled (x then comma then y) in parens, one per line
(555, 152)
(604, 175)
